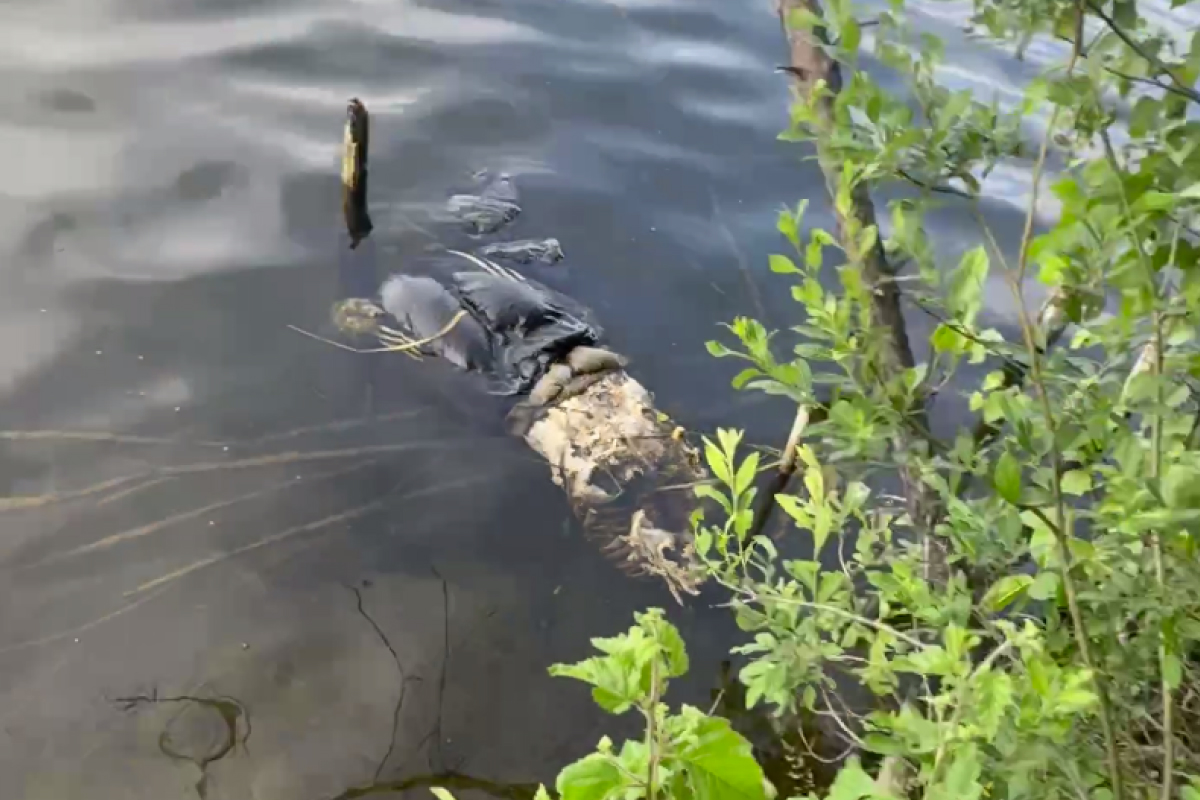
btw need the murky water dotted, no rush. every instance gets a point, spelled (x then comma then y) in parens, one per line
(211, 494)
(217, 507)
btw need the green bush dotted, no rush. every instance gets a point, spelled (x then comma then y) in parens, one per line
(1024, 610)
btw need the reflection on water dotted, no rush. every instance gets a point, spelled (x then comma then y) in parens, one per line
(188, 487)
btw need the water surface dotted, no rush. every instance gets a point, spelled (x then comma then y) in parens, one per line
(211, 490)
(212, 496)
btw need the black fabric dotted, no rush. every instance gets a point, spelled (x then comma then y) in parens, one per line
(514, 330)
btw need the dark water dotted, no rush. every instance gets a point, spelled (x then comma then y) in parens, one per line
(170, 204)
(208, 492)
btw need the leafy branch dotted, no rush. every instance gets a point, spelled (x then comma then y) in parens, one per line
(686, 754)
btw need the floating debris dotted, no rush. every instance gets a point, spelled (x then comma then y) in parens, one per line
(619, 460)
(526, 251)
(487, 212)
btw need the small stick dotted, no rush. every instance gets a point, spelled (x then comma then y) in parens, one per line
(787, 463)
(787, 468)
(396, 348)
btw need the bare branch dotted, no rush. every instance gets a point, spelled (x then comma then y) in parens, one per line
(1149, 81)
(932, 187)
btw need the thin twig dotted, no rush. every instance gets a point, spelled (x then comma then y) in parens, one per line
(404, 679)
(1063, 533)
(961, 703)
(1156, 368)
(407, 347)
(1155, 82)
(963, 332)
(1136, 47)
(937, 188)
(850, 736)
(870, 623)
(787, 467)
(838, 759)
(651, 731)
(1149, 81)
(1156, 445)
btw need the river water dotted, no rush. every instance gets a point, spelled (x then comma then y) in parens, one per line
(204, 504)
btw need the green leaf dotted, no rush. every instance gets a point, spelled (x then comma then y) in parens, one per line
(1007, 478)
(1035, 94)
(830, 583)
(714, 494)
(782, 264)
(621, 677)
(746, 472)
(1005, 591)
(668, 639)
(593, 777)
(1076, 482)
(962, 778)
(805, 572)
(718, 350)
(1144, 117)
(745, 376)
(717, 762)
(541, 793)
(1044, 586)
(851, 36)
(947, 340)
(729, 440)
(884, 745)
(616, 687)
(1181, 486)
(852, 782)
(803, 19)
(966, 285)
(717, 462)
(767, 546)
(788, 227)
(440, 793)
(994, 380)
(993, 700)
(1154, 201)
(1172, 670)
